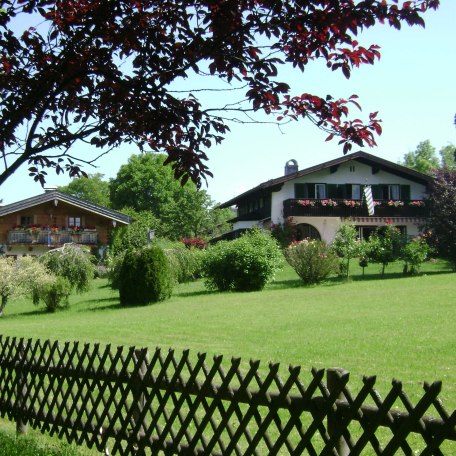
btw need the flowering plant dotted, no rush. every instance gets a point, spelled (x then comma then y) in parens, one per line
(352, 203)
(306, 203)
(54, 229)
(328, 203)
(395, 203)
(417, 203)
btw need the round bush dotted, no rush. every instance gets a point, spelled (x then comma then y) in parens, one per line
(145, 277)
(312, 260)
(245, 264)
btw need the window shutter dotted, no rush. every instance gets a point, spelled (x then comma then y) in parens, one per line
(300, 190)
(310, 190)
(332, 191)
(405, 192)
(377, 193)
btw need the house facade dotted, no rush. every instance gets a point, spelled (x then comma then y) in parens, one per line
(320, 198)
(35, 225)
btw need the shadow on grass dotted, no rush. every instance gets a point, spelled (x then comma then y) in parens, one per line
(336, 280)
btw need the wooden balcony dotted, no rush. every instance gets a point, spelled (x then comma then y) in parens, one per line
(308, 207)
(50, 238)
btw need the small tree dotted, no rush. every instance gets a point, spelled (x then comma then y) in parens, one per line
(414, 254)
(346, 244)
(20, 277)
(385, 245)
(74, 263)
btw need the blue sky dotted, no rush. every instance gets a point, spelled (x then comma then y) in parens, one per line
(413, 87)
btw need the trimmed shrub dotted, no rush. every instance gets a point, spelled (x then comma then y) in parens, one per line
(145, 277)
(245, 264)
(312, 260)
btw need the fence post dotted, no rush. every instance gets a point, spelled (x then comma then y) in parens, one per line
(333, 380)
(139, 400)
(21, 392)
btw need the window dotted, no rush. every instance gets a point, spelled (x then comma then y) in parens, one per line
(393, 192)
(356, 191)
(26, 220)
(352, 168)
(320, 191)
(306, 231)
(74, 221)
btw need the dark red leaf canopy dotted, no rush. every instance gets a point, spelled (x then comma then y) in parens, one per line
(103, 72)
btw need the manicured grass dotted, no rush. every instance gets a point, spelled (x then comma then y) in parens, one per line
(394, 327)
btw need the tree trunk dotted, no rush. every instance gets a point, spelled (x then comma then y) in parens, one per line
(3, 304)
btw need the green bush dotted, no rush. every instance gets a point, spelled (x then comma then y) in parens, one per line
(245, 264)
(414, 254)
(185, 263)
(312, 260)
(145, 277)
(74, 263)
(55, 293)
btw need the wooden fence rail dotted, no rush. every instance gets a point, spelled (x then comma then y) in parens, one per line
(132, 402)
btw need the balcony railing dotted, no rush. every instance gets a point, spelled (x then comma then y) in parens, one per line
(309, 207)
(51, 238)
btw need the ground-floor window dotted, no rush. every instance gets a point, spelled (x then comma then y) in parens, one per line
(366, 231)
(306, 231)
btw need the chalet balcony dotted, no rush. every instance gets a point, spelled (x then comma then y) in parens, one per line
(309, 207)
(51, 238)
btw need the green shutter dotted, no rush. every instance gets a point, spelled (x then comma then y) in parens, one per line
(377, 192)
(300, 190)
(332, 191)
(310, 191)
(405, 192)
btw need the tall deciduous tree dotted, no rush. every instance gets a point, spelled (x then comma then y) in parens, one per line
(442, 213)
(145, 184)
(105, 73)
(448, 156)
(92, 188)
(423, 158)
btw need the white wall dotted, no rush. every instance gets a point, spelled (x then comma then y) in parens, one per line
(362, 174)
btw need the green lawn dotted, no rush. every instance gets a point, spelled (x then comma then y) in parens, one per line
(395, 327)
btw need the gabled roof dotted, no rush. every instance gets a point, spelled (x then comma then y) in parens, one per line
(68, 199)
(360, 156)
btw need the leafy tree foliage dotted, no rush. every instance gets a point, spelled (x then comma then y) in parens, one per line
(145, 184)
(74, 263)
(91, 188)
(135, 235)
(423, 159)
(385, 245)
(20, 277)
(442, 213)
(448, 156)
(106, 73)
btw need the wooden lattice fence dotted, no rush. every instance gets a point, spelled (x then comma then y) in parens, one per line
(126, 401)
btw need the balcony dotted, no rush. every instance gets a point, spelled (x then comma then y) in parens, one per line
(51, 238)
(308, 207)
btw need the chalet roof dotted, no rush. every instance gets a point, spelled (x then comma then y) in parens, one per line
(68, 199)
(360, 156)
